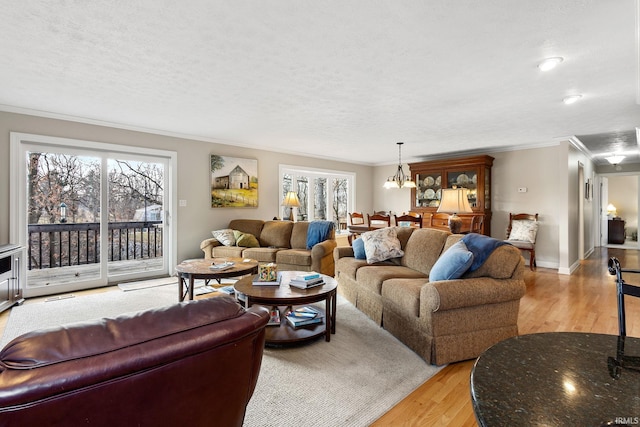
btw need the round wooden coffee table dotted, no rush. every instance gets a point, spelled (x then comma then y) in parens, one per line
(191, 269)
(285, 296)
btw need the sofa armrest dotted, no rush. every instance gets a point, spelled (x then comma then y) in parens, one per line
(322, 257)
(322, 249)
(208, 245)
(454, 294)
(342, 251)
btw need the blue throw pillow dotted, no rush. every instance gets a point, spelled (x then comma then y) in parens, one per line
(358, 249)
(452, 264)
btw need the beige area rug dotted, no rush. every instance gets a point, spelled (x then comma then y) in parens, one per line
(350, 381)
(201, 287)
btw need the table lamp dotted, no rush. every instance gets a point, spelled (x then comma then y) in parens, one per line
(454, 201)
(291, 201)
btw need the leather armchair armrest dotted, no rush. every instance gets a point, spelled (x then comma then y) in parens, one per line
(208, 245)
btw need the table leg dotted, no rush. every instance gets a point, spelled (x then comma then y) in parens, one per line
(181, 286)
(329, 320)
(334, 308)
(191, 285)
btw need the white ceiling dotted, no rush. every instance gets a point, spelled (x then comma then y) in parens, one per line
(331, 78)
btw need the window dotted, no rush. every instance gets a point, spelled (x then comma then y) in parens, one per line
(323, 194)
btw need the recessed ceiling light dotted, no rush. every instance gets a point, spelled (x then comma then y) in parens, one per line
(550, 63)
(571, 99)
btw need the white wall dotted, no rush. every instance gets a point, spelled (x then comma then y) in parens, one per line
(550, 175)
(197, 219)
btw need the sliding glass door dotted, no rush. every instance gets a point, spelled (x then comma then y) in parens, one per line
(90, 214)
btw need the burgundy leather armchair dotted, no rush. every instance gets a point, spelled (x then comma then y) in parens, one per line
(190, 364)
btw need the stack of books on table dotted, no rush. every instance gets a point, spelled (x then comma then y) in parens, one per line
(306, 280)
(303, 316)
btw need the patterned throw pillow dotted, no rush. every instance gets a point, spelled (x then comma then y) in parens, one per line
(225, 236)
(524, 230)
(381, 245)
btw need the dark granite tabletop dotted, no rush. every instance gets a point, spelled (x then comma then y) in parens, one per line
(558, 379)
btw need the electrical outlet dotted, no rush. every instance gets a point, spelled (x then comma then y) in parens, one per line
(182, 203)
(522, 189)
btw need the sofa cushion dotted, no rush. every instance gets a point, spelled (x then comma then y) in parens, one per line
(276, 234)
(299, 235)
(225, 236)
(294, 257)
(452, 264)
(358, 249)
(251, 226)
(371, 277)
(348, 266)
(423, 249)
(501, 264)
(318, 231)
(245, 240)
(227, 251)
(381, 245)
(261, 254)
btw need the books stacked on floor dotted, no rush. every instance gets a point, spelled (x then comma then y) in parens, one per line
(258, 281)
(306, 280)
(227, 290)
(304, 316)
(274, 317)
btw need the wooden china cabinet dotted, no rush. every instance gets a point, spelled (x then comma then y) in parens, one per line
(473, 173)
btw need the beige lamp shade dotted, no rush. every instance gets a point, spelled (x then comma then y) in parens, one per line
(454, 201)
(291, 201)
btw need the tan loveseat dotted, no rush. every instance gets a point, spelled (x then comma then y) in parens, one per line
(282, 242)
(443, 321)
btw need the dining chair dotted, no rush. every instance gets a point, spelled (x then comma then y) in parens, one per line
(378, 220)
(413, 218)
(356, 218)
(521, 233)
(477, 224)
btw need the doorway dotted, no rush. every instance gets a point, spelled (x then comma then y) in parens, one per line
(90, 214)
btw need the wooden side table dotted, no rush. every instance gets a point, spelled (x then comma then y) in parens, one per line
(190, 270)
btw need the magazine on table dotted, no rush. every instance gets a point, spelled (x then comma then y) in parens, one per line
(222, 266)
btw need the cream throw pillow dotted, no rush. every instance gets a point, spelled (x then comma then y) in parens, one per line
(225, 236)
(524, 230)
(381, 245)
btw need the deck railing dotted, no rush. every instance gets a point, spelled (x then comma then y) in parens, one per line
(66, 244)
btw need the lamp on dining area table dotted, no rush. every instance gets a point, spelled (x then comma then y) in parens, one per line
(454, 201)
(291, 201)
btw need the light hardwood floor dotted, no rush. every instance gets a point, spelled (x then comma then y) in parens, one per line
(582, 302)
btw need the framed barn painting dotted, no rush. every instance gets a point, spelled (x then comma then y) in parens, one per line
(234, 182)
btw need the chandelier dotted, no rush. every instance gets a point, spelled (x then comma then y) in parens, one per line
(399, 180)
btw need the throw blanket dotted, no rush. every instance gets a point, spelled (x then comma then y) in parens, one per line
(318, 231)
(481, 246)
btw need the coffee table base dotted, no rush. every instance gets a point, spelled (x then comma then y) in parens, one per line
(287, 334)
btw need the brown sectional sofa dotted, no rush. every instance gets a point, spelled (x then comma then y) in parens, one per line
(282, 242)
(443, 321)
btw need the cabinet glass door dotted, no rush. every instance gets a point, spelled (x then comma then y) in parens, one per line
(465, 179)
(428, 189)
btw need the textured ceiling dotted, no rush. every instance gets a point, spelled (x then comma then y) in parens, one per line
(335, 78)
